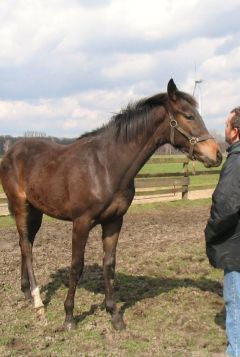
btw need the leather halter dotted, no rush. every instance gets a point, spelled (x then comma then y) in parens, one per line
(192, 139)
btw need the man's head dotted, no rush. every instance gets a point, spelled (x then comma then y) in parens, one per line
(232, 130)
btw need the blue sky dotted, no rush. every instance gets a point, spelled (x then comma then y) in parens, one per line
(67, 65)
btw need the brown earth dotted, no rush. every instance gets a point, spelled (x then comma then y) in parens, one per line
(146, 272)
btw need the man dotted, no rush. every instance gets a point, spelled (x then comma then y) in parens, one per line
(223, 232)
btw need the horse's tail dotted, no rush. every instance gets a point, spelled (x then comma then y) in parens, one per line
(1, 183)
(1, 170)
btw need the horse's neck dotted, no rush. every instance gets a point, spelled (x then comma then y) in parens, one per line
(137, 161)
(133, 156)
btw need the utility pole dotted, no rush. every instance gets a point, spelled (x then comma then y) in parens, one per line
(197, 93)
(197, 90)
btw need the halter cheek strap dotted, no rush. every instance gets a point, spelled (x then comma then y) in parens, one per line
(192, 139)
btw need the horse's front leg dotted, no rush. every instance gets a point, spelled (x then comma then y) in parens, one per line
(110, 238)
(81, 227)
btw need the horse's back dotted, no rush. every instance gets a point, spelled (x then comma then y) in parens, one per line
(56, 179)
(21, 155)
(22, 159)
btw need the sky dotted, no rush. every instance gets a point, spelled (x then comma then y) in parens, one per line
(66, 66)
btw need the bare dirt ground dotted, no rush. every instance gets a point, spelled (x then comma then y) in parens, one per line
(169, 296)
(192, 195)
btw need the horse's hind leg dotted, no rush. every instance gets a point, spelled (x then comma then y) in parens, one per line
(28, 221)
(110, 238)
(34, 220)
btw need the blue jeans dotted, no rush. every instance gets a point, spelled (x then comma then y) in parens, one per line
(231, 294)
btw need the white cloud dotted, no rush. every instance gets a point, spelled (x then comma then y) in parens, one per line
(129, 65)
(65, 65)
(223, 65)
(66, 116)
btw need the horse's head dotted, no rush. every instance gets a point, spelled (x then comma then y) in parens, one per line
(187, 129)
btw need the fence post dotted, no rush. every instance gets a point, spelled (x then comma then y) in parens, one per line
(185, 181)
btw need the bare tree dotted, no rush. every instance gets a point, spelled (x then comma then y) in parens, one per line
(34, 134)
(6, 145)
(220, 139)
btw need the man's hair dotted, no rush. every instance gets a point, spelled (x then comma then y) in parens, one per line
(235, 121)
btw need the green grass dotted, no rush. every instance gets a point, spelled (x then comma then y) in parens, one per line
(175, 167)
(6, 221)
(204, 180)
(161, 168)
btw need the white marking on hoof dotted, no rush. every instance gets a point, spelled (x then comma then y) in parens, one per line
(37, 301)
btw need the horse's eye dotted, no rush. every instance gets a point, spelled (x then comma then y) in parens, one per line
(189, 116)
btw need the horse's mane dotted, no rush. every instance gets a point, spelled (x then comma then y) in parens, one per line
(135, 118)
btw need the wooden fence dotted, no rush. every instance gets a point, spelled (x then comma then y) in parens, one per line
(159, 183)
(162, 183)
(171, 183)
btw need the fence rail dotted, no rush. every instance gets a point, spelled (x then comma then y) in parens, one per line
(3, 205)
(163, 183)
(158, 183)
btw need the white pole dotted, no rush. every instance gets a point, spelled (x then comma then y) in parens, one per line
(198, 95)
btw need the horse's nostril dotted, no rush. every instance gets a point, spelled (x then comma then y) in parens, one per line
(219, 157)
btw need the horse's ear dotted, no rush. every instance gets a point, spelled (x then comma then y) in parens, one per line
(172, 89)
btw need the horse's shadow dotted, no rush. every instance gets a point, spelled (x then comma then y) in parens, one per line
(129, 289)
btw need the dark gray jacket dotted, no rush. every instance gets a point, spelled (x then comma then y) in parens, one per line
(222, 232)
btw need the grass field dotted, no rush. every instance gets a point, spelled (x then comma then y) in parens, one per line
(174, 167)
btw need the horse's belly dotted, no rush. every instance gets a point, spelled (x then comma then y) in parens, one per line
(50, 203)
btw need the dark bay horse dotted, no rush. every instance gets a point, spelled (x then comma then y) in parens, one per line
(91, 181)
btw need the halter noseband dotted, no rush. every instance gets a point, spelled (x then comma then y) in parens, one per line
(192, 139)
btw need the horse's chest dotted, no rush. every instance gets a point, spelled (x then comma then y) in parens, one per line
(118, 205)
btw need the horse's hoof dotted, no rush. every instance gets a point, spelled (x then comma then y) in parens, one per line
(70, 325)
(118, 323)
(27, 295)
(41, 313)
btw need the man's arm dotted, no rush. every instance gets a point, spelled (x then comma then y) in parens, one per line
(226, 204)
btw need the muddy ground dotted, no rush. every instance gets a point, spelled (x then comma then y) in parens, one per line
(169, 295)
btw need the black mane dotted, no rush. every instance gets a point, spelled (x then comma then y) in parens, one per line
(135, 118)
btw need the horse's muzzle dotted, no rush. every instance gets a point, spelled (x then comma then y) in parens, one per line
(213, 163)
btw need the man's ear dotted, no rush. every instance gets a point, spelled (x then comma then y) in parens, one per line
(236, 133)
